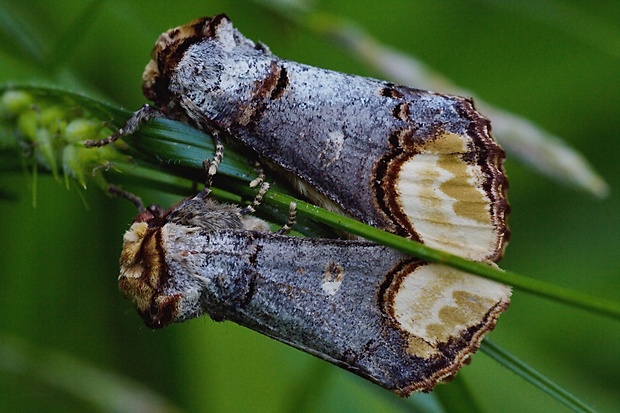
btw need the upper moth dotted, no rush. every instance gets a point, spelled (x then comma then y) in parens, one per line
(413, 162)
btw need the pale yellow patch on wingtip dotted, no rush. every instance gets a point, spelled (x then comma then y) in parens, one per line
(446, 144)
(435, 303)
(442, 196)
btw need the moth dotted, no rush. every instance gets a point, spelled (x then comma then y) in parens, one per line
(378, 313)
(419, 164)
(416, 163)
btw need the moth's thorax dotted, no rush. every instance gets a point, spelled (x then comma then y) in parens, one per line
(146, 275)
(164, 77)
(160, 245)
(144, 272)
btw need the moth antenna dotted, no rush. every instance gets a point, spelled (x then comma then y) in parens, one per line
(134, 199)
(139, 118)
(292, 218)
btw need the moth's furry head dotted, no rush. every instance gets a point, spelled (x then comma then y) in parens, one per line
(171, 46)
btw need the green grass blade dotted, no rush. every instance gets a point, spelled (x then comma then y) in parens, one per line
(532, 376)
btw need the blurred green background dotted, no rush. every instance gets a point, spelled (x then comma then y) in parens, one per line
(61, 314)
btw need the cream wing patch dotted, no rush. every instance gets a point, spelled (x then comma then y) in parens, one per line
(435, 303)
(442, 196)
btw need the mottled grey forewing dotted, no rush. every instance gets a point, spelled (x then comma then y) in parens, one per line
(333, 299)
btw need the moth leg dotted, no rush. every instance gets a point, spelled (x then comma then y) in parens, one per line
(260, 178)
(292, 218)
(134, 199)
(250, 209)
(206, 166)
(217, 157)
(203, 123)
(260, 181)
(139, 118)
(210, 166)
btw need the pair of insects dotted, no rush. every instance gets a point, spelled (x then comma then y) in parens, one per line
(415, 163)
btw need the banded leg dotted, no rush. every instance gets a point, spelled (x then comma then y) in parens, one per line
(292, 218)
(139, 118)
(250, 209)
